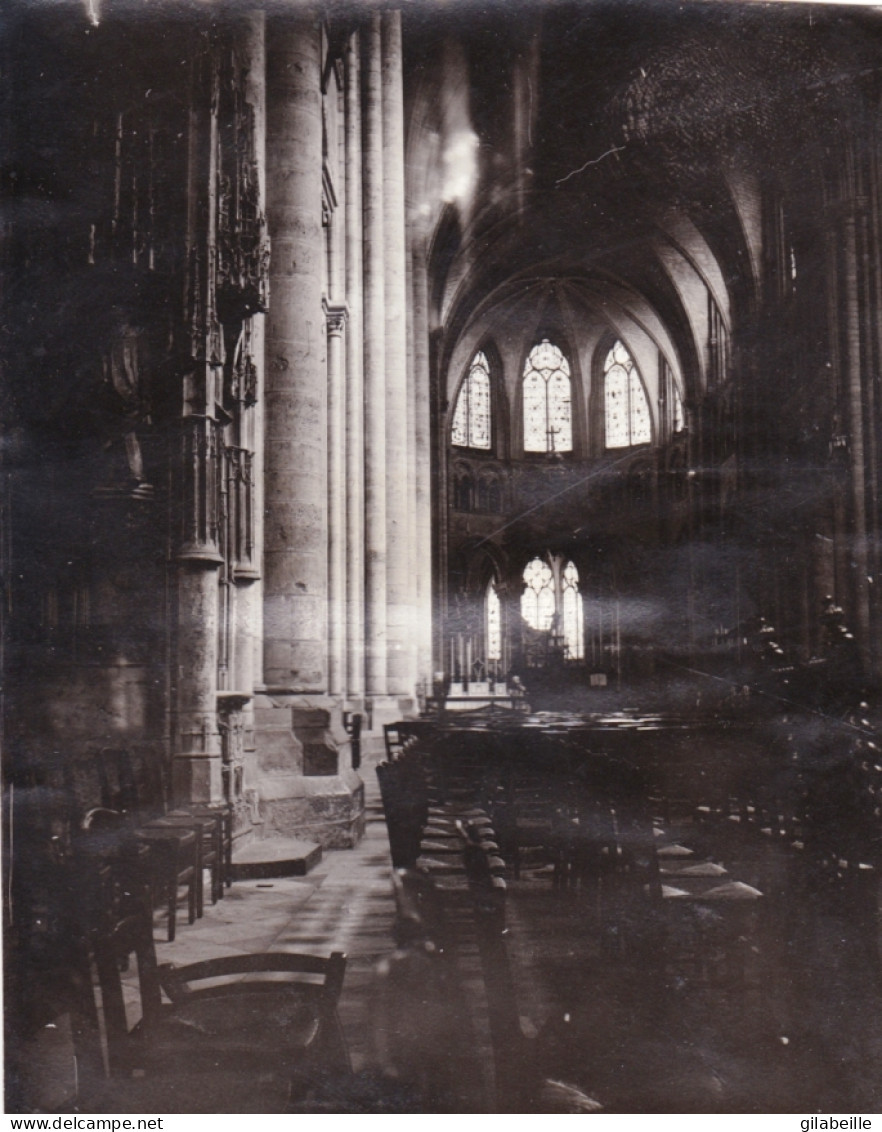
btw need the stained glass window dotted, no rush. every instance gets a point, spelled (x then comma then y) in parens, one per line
(494, 624)
(471, 420)
(551, 601)
(547, 400)
(573, 620)
(537, 600)
(625, 403)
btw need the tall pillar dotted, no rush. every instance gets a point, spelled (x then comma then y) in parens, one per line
(335, 313)
(196, 768)
(441, 598)
(249, 603)
(374, 333)
(355, 651)
(399, 611)
(423, 463)
(418, 673)
(305, 788)
(296, 534)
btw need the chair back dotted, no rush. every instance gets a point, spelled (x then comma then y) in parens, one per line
(179, 982)
(257, 1012)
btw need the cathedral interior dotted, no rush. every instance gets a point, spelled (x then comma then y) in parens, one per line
(513, 365)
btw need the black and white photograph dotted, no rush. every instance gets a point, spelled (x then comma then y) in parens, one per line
(441, 557)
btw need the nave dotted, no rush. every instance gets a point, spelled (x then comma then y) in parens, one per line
(514, 377)
(583, 997)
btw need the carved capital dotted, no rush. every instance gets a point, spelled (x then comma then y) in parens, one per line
(336, 316)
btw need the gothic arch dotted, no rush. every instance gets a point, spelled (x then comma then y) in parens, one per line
(499, 417)
(598, 397)
(560, 337)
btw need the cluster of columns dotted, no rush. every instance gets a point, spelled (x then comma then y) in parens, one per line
(346, 586)
(213, 630)
(346, 591)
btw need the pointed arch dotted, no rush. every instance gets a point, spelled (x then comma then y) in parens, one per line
(537, 600)
(547, 400)
(473, 417)
(551, 603)
(627, 420)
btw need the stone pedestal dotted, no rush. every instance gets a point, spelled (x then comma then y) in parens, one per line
(305, 783)
(380, 710)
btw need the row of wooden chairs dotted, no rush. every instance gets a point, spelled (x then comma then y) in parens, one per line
(223, 1035)
(129, 810)
(458, 858)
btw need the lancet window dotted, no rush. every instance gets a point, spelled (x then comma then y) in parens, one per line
(551, 605)
(547, 400)
(472, 417)
(626, 408)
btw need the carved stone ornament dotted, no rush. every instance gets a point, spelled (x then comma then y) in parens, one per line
(336, 315)
(243, 248)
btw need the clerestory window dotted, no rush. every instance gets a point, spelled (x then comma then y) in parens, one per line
(626, 408)
(472, 417)
(547, 400)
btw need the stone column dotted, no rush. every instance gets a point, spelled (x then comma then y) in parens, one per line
(420, 675)
(374, 334)
(354, 380)
(399, 611)
(439, 472)
(423, 463)
(196, 768)
(302, 789)
(335, 313)
(249, 604)
(296, 532)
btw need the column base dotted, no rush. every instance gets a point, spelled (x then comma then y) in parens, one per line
(304, 781)
(380, 710)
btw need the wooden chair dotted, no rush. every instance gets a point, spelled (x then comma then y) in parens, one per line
(530, 811)
(241, 1033)
(115, 937)
(270, 1017)
(47, 972)
(176, 856)
(207, 828)
(133, 784)
(218, 842)
(392, 740)
(403, 793)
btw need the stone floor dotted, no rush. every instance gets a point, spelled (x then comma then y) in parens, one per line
(344, 904)
(800, 1029)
